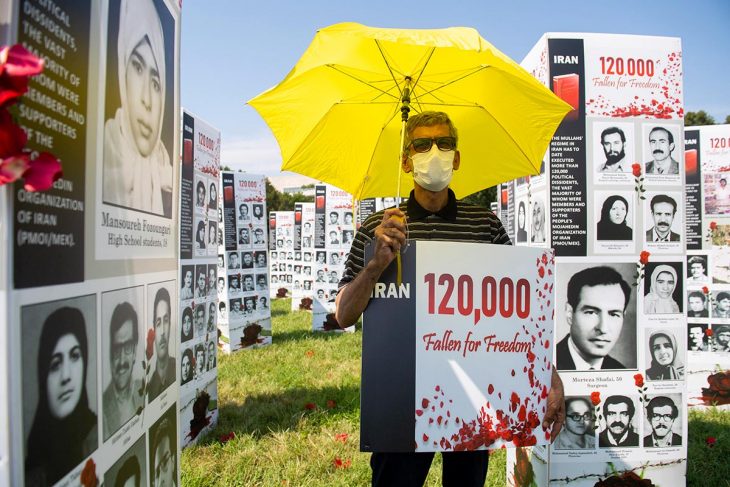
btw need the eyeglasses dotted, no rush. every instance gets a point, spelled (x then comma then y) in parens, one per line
(581, 417)
(126, 348)
(443, 143)
(664, 417)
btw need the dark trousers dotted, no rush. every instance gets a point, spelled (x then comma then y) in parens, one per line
(460, 469)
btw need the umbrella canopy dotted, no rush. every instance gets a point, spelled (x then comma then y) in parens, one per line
(337, 114)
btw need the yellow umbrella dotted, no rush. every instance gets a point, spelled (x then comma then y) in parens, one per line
(337, 116)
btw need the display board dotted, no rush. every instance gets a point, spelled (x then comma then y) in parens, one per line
(92, 314)
(244, 319)
(610, 200)
(707, 172)
(303, 289)
(282, 255)
(334, 231)
(199, 241)
(466, 349)
(368, 206)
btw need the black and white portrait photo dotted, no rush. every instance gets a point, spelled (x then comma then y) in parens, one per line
(163, 449)
(665, 355)
(201, 281)
(160, 319)
(212, 277)
(660, 150)
(721, 337)
(59, 383)
(122, 331)
(199, 319)
(213, 196)
(259, 258)
(663, 288)
(697, 305)
(139, 129)
(697, 337)
(186, 324)
(186, 278)
(663, 217)
(616, 218)
(697, 269)
(130, 470)
(595, 317)
(620, 428)
(662, 421)
(201, 236)
(522, 220)
(721, 308)
(613, 149)
(212, 237)
(538, 219)
(258, 212)
(578, 431)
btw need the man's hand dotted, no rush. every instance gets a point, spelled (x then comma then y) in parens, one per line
(390, 236)
(352, 299)
(555, 413)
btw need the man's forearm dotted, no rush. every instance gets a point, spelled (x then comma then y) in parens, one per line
(353, 298)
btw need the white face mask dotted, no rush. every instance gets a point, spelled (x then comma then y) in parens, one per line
(432, 170)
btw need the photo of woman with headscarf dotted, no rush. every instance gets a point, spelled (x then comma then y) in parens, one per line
(64, 428)
(538, 221)
(138, 173)
(521, 221)
(660, 298)
(612, 224)
(665, 362)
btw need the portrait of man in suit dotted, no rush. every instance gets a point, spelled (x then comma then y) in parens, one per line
(597, 298)
(619, 413)
(663, 210)
(662, 413)
(661, 145)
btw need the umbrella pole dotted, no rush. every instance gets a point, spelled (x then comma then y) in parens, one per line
(404, 110)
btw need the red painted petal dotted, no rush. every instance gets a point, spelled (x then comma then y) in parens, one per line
(43, 171)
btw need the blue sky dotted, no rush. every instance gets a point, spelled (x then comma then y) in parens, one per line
(234, 49)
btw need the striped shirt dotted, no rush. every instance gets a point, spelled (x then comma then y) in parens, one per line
(456, 222)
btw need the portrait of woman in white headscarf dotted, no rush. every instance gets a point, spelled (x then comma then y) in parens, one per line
(660, 298)
(138, 173)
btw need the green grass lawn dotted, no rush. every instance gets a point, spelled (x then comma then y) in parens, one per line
(294, 409)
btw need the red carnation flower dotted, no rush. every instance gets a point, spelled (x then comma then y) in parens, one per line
(710, 441)
(636, 169)
(705, 290)
(310, 406)
(708, 332)
(150, 343)
(713, 226)
(639, 380)
(644, 257)
(596, 398)
(88, 474)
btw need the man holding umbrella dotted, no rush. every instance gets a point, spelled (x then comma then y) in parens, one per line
(430, 153)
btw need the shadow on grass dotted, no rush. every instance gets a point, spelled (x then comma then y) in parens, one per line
(296, 335)
(265, 414)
